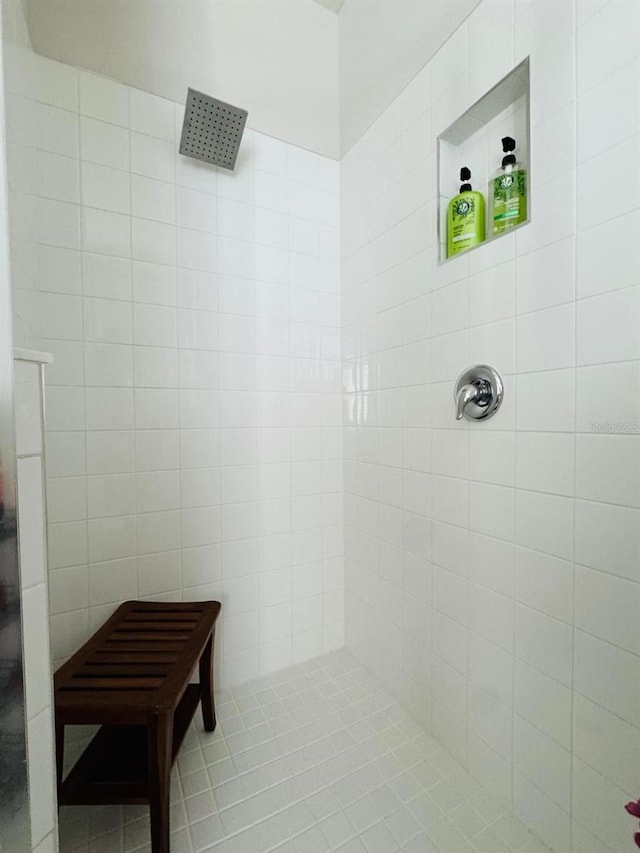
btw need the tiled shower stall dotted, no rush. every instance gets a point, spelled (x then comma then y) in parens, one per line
(251, 399)
(194, 410)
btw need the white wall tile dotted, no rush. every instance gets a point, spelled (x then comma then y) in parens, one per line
(159, 573)
(106, 233)
(545, 462)
(154, 325)
(31, 521)
(104, 143)
(65, 408)
(56, 84)
(152, 115)
(156, 367)
(606, 606)
(545, 523)
(606, 468)
(110, 495)
(545, 339)
(616, 269)
(28, 408)
(492, 295)
(154, 242)
(67, 544)
(544, 702)
(604, 674)
(57, 224)
(66, 456)
(111, 538)
(58, 130)
(606, 742)
(157, 491)
(593, 799)
(544, 582)
(604, 327)
(103, 99)
(200, 526)
(603, 402)
(57, 177)
(107, 321)
(606, 537)
(61, 316)
(153, 158)
(594, 175)
(106, 188)
(546, 401)
(66, 498)
(151, 199)
(112, 581)
(603, 120)
(614, 29)
(546, 277)
(544, 643)
(154, 283)
(197, 210)
(110, 452)
(491, 667)
(42, 784)
(540, 813)
(197, 250)
(543, 761)
(158, 532)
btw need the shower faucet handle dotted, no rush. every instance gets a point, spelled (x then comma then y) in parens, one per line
(467, 394)
(478, 393)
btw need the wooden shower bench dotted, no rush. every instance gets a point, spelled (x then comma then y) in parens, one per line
(132, 677)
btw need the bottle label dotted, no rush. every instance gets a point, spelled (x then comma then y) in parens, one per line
(509, 200)
(462, 209)
(462, 225)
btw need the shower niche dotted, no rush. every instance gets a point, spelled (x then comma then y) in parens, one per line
(474, 141)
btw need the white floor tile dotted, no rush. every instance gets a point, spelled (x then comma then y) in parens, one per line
(318, 757)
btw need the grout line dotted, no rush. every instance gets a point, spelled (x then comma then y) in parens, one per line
(85, 475)
(576, 332)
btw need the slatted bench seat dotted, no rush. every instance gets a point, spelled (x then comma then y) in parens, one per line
(132, 677)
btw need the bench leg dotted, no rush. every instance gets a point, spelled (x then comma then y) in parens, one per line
(160, 738)
(59, 753)
(206, 686)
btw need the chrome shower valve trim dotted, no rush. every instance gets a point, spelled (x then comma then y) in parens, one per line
(478, 393)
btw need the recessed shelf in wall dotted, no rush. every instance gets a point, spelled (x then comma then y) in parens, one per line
(474, 140)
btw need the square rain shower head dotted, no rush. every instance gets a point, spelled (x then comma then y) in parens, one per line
(212, 130)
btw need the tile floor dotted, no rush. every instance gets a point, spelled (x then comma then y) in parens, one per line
(313, 759)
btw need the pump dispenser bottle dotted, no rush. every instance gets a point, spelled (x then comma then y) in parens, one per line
(508, 191)
(465, 217)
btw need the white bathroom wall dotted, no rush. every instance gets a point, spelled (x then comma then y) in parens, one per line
(383, 45)
(193, 410)
(492, 568)
(21, 129)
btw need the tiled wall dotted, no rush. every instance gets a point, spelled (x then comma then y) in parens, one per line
(492, 568)
(193, 410)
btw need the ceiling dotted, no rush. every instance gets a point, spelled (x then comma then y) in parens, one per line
(332, 5)
(348, 67)
(241, 51)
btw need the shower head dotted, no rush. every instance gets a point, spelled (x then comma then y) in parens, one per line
(212, 130)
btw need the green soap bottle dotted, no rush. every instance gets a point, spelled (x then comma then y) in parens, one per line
(465, 217)
(508, 191)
